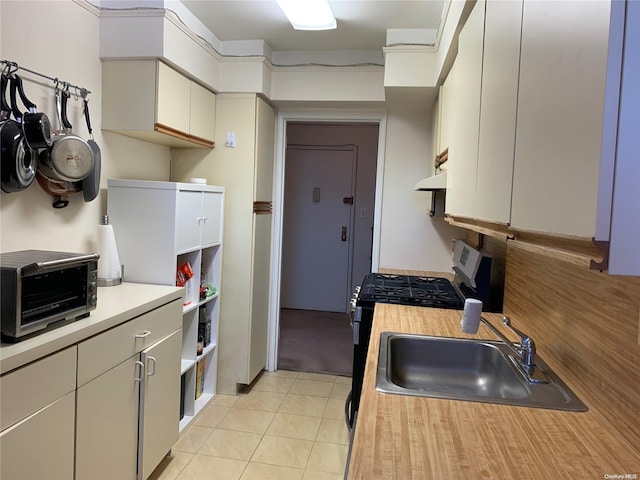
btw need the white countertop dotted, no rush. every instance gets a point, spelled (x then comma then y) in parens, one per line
(116, 305)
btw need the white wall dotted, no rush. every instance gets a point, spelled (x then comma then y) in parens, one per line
(410, 239)
(61, 39)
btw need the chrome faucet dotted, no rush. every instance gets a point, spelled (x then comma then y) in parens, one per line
(525, 351)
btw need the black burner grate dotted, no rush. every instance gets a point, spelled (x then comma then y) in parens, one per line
(410, 290)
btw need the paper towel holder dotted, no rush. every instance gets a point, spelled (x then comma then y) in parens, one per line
(112, 247)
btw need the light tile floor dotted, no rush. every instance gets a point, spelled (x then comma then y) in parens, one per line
(288, 426)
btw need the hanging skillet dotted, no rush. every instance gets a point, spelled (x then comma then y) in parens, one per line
(35, 126)
(5, 109)
(59, 189)
(70, 157)
(18, 160)
(8, 129)
(91, 184)
(47, 176)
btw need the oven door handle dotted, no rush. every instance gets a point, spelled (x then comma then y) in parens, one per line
(347, 410)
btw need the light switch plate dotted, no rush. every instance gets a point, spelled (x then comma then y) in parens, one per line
(231, 140)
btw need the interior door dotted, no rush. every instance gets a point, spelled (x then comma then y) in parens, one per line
(317, 228)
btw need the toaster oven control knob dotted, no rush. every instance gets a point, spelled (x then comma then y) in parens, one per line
(93, 300)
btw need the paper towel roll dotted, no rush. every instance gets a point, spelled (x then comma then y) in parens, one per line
(471, 315)
(109, 269)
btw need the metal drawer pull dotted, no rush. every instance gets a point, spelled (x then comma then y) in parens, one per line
(139, 377)
(152, 372)
(146, 333)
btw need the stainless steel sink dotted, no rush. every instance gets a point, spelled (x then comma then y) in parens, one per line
(465, 369)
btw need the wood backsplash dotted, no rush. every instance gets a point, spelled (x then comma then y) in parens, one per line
(585, 325)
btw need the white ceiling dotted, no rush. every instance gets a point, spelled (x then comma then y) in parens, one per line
(362, 24)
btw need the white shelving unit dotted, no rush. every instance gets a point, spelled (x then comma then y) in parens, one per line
(159, 226)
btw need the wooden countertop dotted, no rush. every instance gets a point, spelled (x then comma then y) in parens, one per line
(116, 304)
(402, 437)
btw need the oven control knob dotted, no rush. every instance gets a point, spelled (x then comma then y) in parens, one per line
(93, 300)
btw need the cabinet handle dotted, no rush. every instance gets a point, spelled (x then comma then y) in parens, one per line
(139, 377)
(204, 219)
(153, 362)
(146, 333)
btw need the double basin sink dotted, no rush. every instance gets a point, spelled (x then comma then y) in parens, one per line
(466, 369)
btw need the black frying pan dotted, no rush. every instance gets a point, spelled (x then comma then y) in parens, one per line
(91, 184)
(17, 160)
(35, 126)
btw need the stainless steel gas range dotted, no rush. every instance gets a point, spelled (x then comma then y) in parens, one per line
(472, 280)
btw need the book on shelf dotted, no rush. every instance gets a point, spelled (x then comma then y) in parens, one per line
(200, 378)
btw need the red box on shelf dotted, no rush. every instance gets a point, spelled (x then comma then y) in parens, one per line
(184, 274)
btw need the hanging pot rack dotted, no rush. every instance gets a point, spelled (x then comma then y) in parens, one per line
(12, 67)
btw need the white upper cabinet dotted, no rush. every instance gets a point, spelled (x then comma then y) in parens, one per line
(498, 104)
(466, 79)
(202, 114)
(173, 99)
(563, 62)
(527, 89)
(147, 99)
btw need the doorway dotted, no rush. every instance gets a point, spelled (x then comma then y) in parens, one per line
(317, 239)
(344, 134)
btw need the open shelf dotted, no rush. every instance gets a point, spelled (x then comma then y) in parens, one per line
(186, 365)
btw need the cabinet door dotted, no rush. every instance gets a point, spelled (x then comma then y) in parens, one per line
(107, 424)
(563, 63)
(188, 220)
(41, 446)
(26, 390)
(265, 150)
(160, 402)
(203, 112)
(260, 296)
(500, 66)
(212, 214)
(173, 102)
(625, 225)
(463, 152)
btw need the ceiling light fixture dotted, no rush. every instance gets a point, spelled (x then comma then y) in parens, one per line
(308, 14)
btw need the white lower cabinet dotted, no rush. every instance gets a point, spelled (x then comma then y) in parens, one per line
(37, 415)
(159, 402)
(40, 447)
(104, 406)
(128, 416)
(107, 431)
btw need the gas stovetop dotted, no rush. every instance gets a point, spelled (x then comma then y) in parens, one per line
(410, 290)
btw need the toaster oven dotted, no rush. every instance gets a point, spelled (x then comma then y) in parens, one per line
(39, 288)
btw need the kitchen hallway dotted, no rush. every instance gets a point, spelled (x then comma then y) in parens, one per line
(286, 426)
(315, 342)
